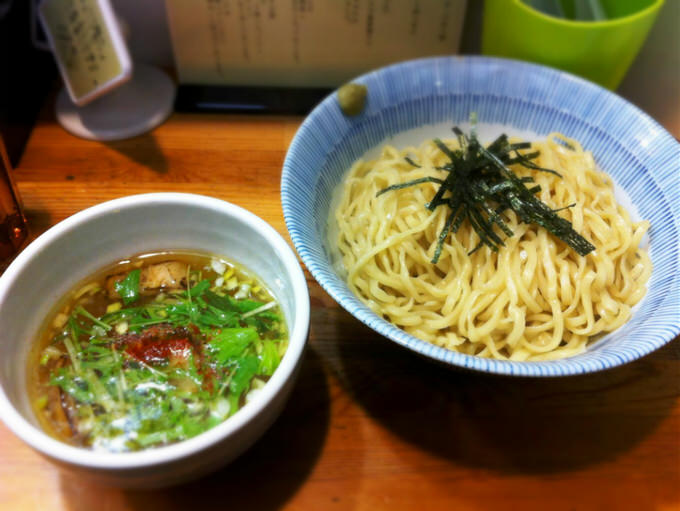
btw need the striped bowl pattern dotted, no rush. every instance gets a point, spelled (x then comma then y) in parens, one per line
(639, 154)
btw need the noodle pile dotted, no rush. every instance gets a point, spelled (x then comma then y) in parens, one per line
(534, 299)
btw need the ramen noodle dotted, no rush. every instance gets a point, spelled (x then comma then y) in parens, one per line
(534, 299)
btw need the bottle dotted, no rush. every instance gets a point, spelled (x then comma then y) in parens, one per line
(13, 230)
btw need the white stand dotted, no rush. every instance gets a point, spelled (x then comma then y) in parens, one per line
(137, 106)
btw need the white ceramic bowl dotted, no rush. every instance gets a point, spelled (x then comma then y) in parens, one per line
(95, 237)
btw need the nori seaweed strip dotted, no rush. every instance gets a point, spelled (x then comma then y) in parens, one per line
(531, 165)
(444, 233)
(482, 187)
(418, 181)
(535, 211)
(411, 162)
(521, 145)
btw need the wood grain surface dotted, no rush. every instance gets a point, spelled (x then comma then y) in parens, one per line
(369, 425)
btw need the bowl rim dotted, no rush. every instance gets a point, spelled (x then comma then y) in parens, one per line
(544, 369)
(652, 8)
(102, 460)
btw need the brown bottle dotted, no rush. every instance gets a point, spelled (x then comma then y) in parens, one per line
(13, 231)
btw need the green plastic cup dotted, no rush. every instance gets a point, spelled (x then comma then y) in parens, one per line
(600, 51)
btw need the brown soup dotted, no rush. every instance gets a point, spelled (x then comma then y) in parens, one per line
(154, 350)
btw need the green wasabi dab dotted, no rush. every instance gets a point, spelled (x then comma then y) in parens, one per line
(352, 98)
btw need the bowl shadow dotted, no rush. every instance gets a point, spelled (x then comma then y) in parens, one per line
(510, 425)
(278, 463)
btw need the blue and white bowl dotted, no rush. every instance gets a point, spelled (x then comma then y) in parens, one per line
(412, 101)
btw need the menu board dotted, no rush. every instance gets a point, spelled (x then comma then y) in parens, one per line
(87, 44)
(312, 43)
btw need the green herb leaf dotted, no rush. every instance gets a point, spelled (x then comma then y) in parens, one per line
(224, 303)
(200, 288)
(231, 343)
(244, 306)
(227, 303)
(246, 369)
(75, 386)
(128, 288)
(80, 310)
(269, 360)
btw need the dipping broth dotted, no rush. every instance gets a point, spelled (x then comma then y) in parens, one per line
(154, 350)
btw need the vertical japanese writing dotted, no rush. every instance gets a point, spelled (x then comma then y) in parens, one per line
(415, 17)
(243, 28)
(352, 11)
(296, 31)
(444, 22)
(369, 22)
(217, 10)
(305, 5)
(257, 22)
(254, 39)
(81, 39)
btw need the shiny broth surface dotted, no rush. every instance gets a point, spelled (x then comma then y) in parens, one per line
(154, 350)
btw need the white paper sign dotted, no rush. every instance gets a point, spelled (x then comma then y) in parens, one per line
(87, 45)
(314, 43)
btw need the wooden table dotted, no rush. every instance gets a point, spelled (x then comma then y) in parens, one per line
(369, 425)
